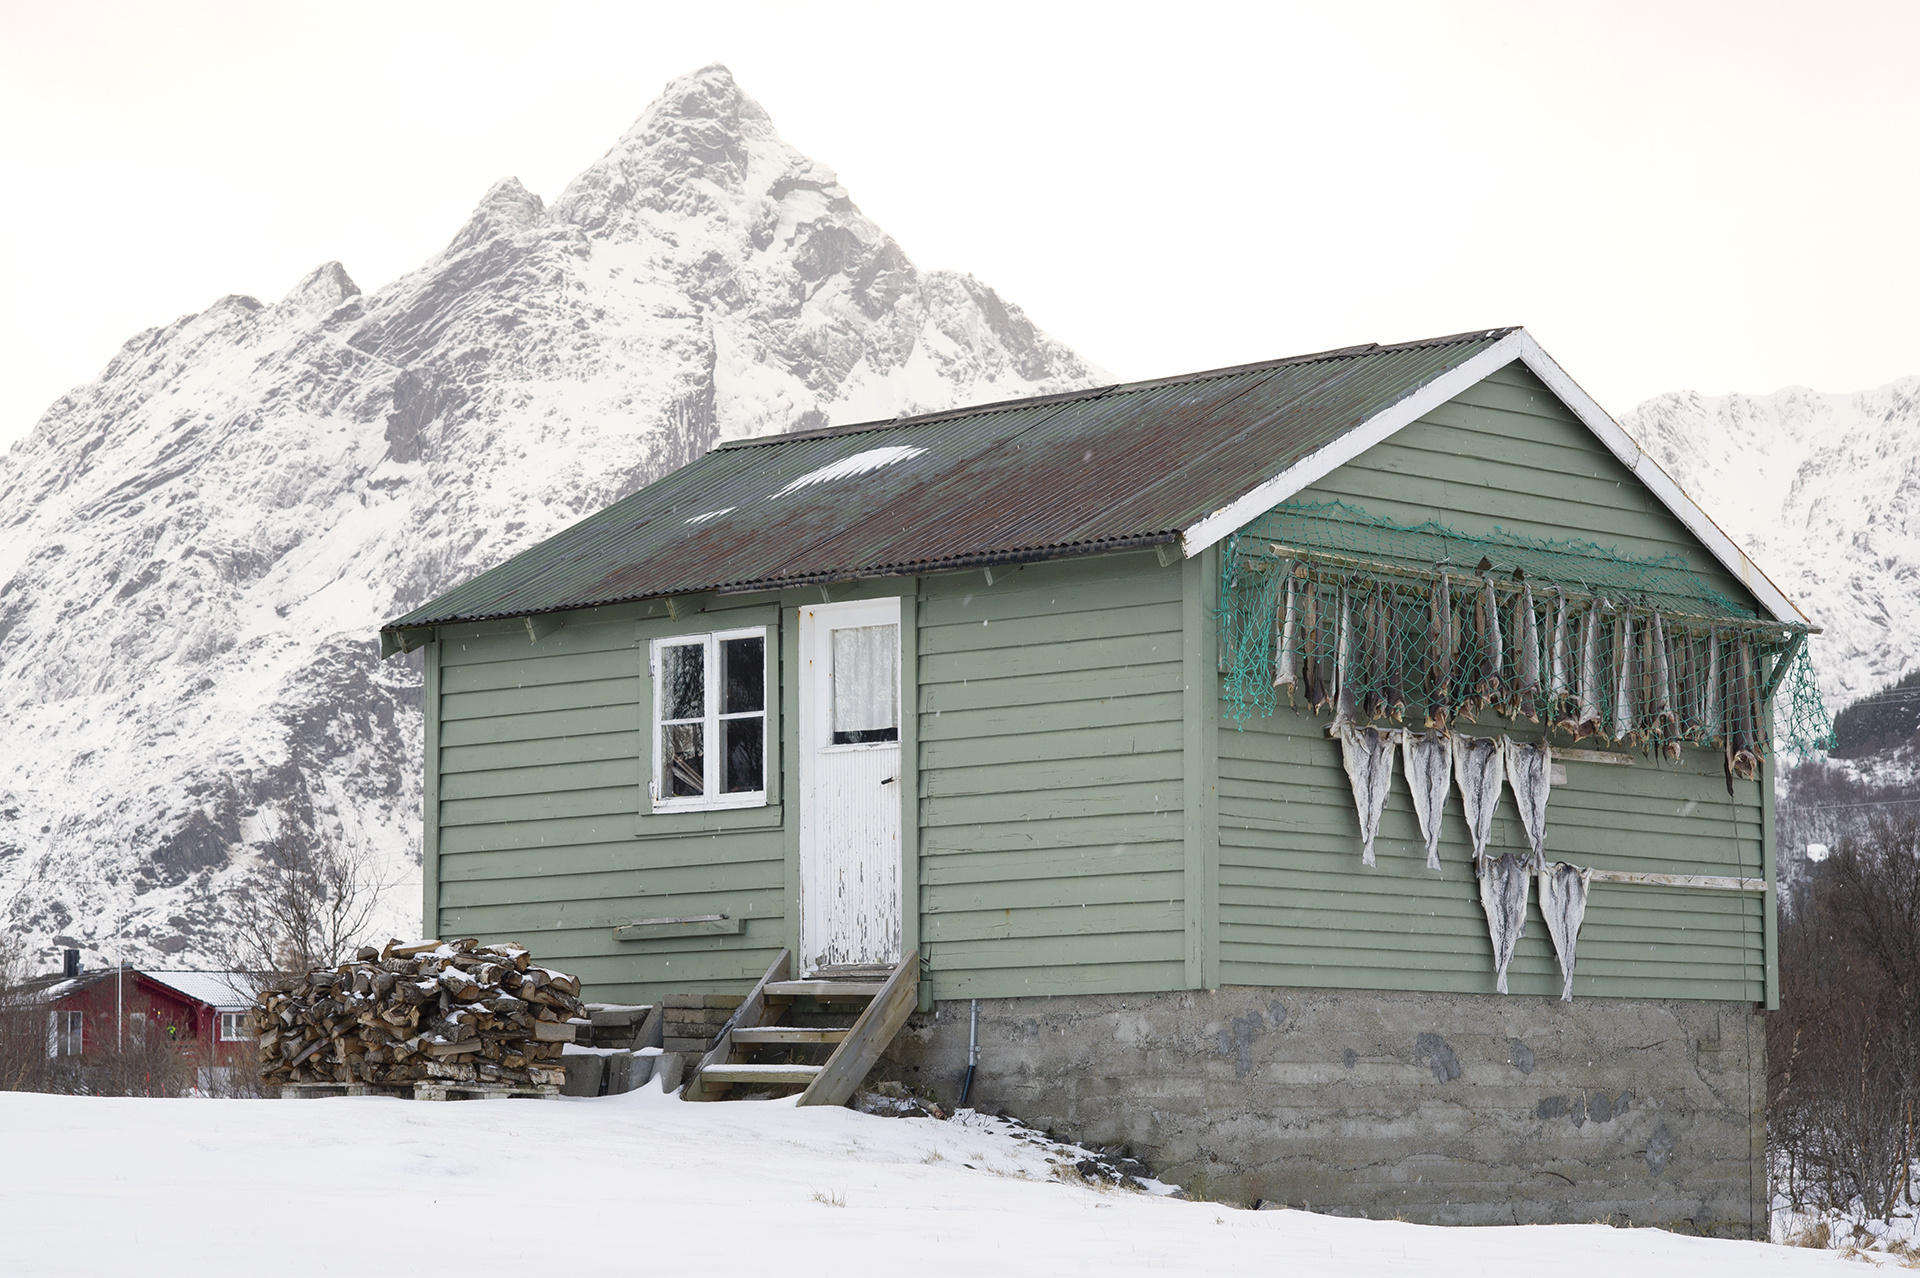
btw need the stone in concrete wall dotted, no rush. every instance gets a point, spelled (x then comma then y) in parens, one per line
(1440, 1108)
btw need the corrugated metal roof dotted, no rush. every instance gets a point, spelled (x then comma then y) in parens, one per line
(222, 991)
(1023, 480)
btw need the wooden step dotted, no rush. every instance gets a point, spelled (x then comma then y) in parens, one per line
(825, 990)
(787, 1075)
(857, 1053)
(788, 1034)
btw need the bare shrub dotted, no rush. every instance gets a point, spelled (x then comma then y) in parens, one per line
(1843, 1111)
(306, 906)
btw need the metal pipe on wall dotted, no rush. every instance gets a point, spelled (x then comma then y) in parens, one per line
(973, 1051)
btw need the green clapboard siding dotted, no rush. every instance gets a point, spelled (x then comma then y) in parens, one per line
(1296, 905)
(1050, 783)
(542, 758)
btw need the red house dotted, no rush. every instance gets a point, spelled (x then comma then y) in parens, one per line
(204, 1014)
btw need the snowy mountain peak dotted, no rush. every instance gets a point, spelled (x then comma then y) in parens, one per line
(320, 290)
(1823, 490)
(196, 548)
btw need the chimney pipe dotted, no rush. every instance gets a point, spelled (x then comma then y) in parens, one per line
(71, 966)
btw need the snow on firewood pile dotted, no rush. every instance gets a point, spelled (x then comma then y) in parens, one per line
(648, 1182)
(454, 1011)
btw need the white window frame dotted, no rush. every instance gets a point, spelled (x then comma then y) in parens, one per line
(713, 799)
(66, 1034)
(238, 1022)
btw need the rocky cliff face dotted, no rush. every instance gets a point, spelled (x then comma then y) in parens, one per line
(198, 547)
(1824, 492)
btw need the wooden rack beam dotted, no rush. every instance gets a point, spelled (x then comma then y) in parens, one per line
(1711, 882)
(1785, 630)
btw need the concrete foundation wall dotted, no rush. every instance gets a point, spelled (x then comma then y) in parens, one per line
(1441, 1108)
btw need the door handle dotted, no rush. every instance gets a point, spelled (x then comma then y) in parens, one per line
(889, 780)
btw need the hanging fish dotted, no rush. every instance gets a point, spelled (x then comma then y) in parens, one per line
(1524, 633)
(1559, 667)
(1440, 656)
(1591, 721)
(1623, 721)
(1367, 754)
(1373, 627)
(1284, 673)
(1530, 773)
(1392, 695)
(1477, 769)
(1310, 662)
(1685, 650)
(1665, 691)
(1563, 902)
(1744, 742)
(1486, 626)
(1666, 724)
(1429, 759)
(1713, 718)
(1503, 895)
(1343, 672)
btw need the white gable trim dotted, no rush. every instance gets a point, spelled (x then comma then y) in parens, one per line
(1518, 345)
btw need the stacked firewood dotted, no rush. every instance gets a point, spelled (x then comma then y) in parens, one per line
(453, 1011)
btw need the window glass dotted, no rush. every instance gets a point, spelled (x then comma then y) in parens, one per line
(233, 1027)
(683, 753)
(746, 754)
(743, 675)
(866, 705)
(683, 681)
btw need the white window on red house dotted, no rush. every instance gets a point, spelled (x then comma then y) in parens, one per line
(233, 1027)
(710, 720)
(66, 1033)
(137, 1027)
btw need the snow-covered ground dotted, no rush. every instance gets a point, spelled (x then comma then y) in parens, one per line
(646, 1183)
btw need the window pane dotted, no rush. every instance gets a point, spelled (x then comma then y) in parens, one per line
(865, 687)
(743, 676)
(746, 752)
(683, 681)
(683, 758)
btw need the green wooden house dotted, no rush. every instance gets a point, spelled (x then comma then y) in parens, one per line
(995, 687)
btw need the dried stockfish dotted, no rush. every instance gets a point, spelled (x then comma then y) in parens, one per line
(1686, 683)
(1429, 758)
(1665, 699)
(1503, 895)
(1525, 635)
(1373, 638)
(1387, 672)
(1743, 738)
(1559, 667)
(1343, 672)
(1591, 718)
(1285, 673)
(1486, 625)
(1368, 756)
(1530, 773)
(1440, 656)
(1563, 901)
(1314, 668)
(1477, 769)
(1623, 720)
(1712, 718)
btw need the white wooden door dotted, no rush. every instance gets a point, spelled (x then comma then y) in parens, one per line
(850, 784)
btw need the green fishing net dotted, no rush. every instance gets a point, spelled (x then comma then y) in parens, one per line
(1329, 608)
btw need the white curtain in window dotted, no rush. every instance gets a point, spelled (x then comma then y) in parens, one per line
(865, 687)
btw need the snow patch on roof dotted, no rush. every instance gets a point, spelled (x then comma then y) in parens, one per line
(847, 467)
(711, 514)
(224, 991)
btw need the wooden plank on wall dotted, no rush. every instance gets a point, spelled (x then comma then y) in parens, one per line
(430, 796)
(1200, 578)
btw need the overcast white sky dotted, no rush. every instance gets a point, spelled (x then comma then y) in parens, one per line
(1709, 196)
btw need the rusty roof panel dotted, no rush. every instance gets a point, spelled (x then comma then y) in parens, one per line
(1027, 479)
